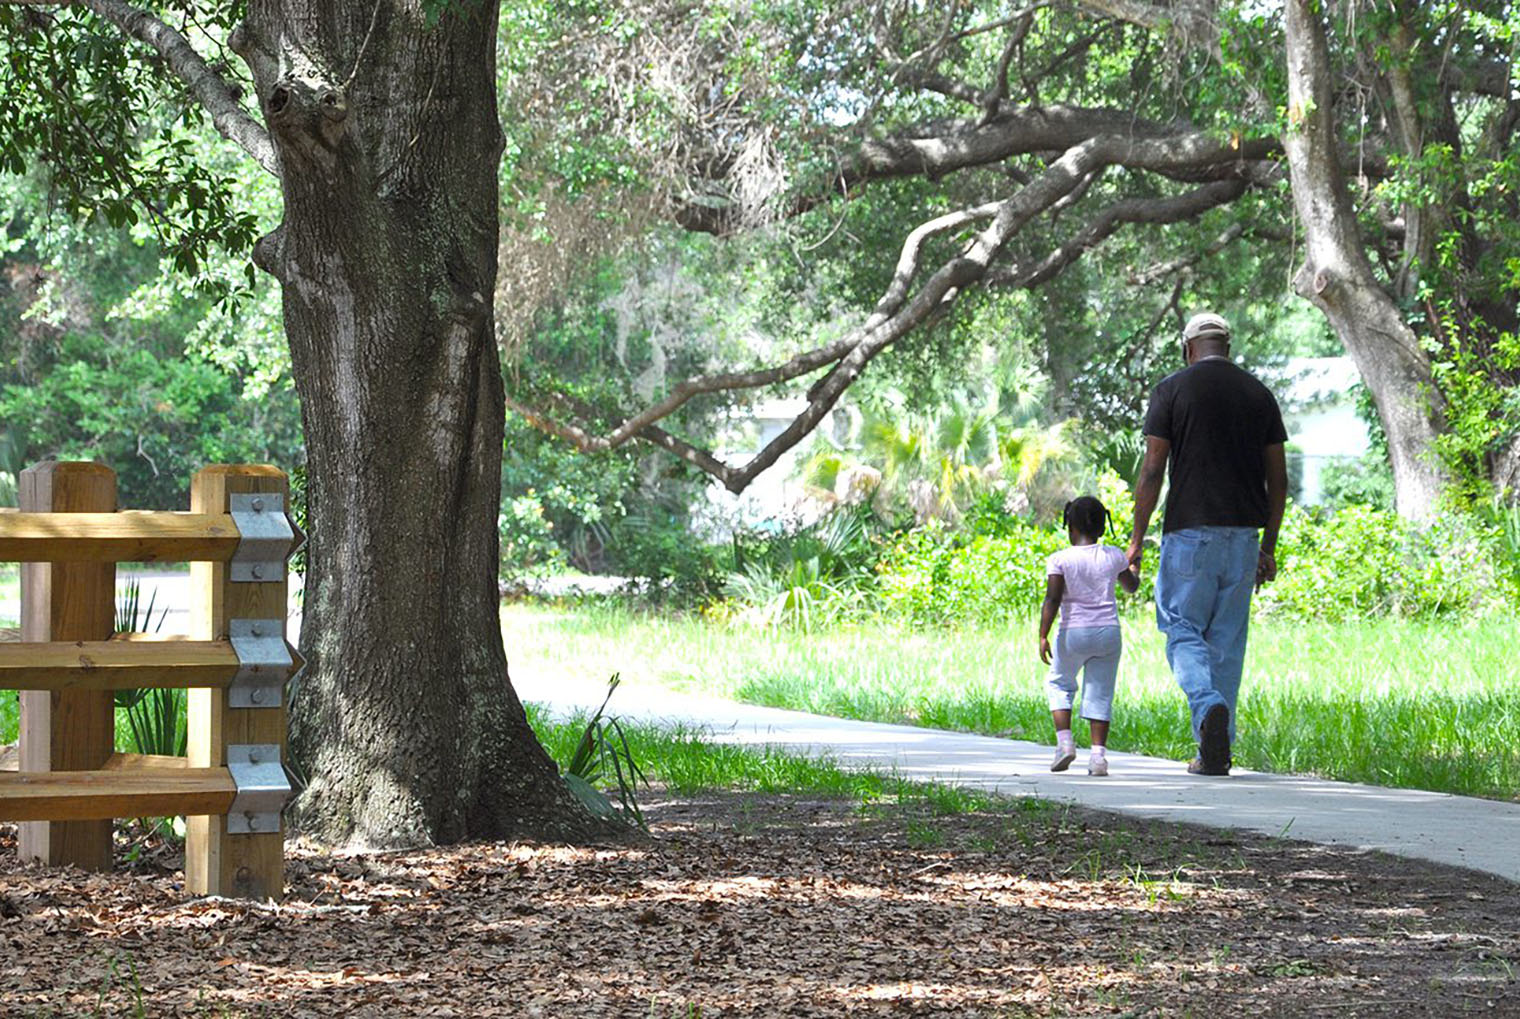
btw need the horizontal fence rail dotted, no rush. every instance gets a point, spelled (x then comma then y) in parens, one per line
(122, 537)
(110, 793)
(130, 664)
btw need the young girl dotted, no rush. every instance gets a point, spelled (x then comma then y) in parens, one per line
(1080, 582)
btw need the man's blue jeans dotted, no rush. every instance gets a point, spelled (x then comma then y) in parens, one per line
(1203, 605)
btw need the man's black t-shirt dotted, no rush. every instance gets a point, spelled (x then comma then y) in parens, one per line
(1219, 420)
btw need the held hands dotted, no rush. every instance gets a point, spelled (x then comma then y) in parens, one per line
(1045, 650)
(1135, 554)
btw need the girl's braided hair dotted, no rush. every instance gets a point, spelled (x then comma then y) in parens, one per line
(1086, 515)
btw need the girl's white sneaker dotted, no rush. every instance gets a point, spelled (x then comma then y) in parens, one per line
(1064, 757)
(1097, 764)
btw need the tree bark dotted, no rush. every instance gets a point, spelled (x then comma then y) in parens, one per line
(404, 725)
(1338, 279)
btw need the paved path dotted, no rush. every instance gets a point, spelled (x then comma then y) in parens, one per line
(1480, 834)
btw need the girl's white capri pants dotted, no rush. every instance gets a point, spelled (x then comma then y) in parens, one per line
(1093, 651)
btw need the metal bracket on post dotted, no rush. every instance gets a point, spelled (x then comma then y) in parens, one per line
(262, 788)
(267, 537)
(264, 663)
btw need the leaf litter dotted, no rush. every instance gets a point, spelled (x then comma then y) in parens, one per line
(762, 905)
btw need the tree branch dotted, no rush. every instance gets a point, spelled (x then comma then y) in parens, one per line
(1130, 210)
(939, 148)
(802, 364)
(1160, 270)
(1192, 22)
(209, 88)
(898, 312)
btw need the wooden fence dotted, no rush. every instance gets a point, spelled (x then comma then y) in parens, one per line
(233, 664)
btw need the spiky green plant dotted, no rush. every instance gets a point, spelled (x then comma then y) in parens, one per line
(603, 756)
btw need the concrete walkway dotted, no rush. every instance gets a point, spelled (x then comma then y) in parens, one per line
(1483, 835)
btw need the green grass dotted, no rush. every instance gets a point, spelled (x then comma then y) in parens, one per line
(681, 760)
(1389, 702)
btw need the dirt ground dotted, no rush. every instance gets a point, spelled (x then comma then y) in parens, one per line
(750, 905)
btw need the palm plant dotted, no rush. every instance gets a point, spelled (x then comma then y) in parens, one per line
(156, 717)
(815, 575)
(12, 460)
(948, 455)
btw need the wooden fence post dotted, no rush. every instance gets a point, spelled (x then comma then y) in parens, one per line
(73, 730)
(216, 862)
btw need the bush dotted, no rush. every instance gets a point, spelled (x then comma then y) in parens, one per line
(821, 573)
(933, 577)
(527, 537)
(1363, 562)
(657, 552)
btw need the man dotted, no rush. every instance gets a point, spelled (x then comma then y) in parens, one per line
(1222, 433)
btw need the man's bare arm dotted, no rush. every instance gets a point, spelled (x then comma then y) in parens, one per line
(1277, 501)
(1147, 493)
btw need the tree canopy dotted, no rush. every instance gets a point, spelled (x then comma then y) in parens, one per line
(994, 151)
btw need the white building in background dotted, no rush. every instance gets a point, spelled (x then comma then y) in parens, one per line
(777, 495)
(1319, 412)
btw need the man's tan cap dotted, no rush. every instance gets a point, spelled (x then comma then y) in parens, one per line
(1206, 324)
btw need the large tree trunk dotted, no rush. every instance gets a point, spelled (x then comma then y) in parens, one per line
(1338, 278)
(405, 723)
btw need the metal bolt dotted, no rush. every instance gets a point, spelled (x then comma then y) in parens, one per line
(257, 696)
(254, 757)
(258, 505)
(257, 570)
(244, 875)
(253, 820)
(258, 630)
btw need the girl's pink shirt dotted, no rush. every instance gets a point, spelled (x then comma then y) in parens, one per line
(1089, 572)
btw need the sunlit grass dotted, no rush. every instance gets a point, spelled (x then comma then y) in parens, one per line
(1422, 705)
(685, 763)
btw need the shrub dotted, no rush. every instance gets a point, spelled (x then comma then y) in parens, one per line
(821, 573)
(656, 551)
(932, 577)
(1363, 562)
(527, 537)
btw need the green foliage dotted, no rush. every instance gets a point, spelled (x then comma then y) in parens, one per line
(157, 721)
(106, 354)
(816, 575)
(1478, 376)
(527, 536)
(122, 143)
(654, 548)
(933, 577)
(154, 421)
(156, 717)
(849, 566)
(1367, 481)
(1364, 563)
(12, 463)
(604, 756)
(559, 504)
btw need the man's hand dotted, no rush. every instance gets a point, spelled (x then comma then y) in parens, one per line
(1135, 554)
(1045, 650)
(1266, 568)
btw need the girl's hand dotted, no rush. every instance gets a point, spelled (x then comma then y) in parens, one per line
(1045, 650)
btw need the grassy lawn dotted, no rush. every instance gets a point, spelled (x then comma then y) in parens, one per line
(1422, 705)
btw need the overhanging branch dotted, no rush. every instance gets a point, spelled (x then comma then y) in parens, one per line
(902, 309)
(941, 148)
(1161, 270)
(210, 89)
(1130, 210)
